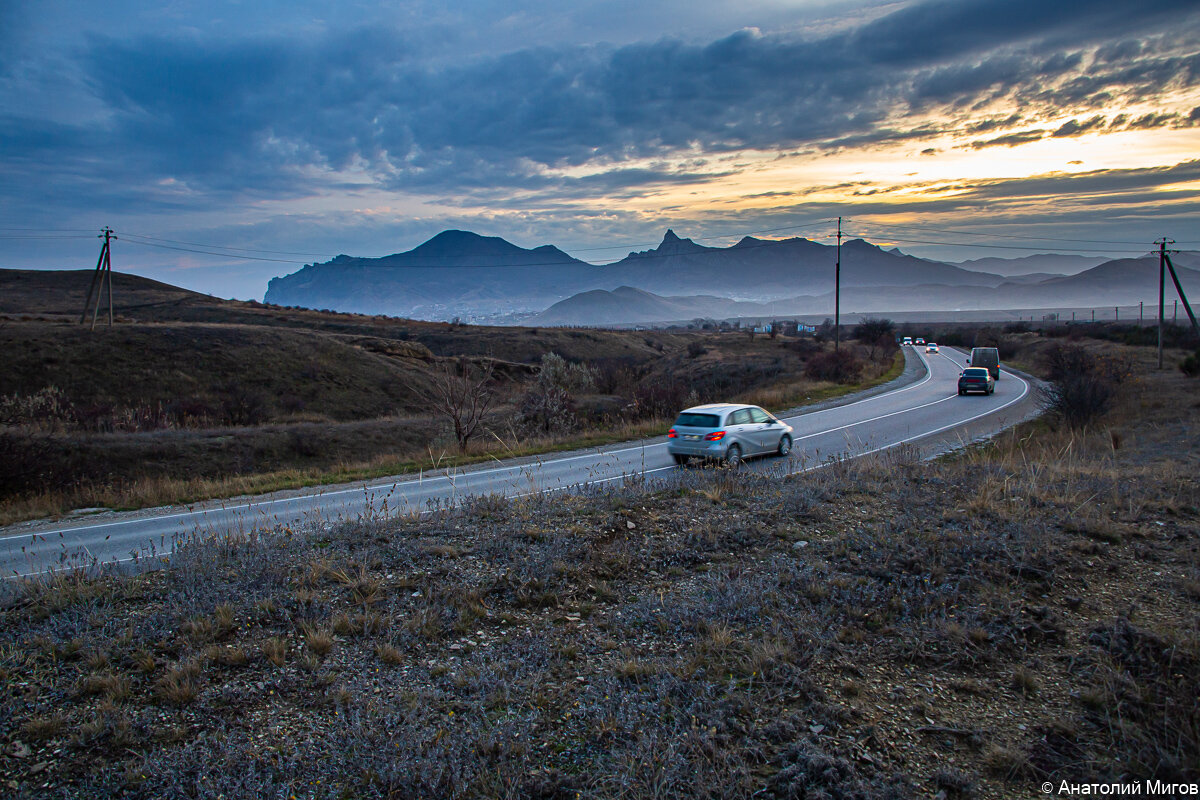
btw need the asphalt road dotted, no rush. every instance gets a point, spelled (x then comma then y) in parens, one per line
(922, 407)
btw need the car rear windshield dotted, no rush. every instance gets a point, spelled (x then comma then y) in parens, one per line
(975, 373)
(687, 420)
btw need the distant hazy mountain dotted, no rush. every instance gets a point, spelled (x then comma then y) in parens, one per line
(454, 273)
(458, 273)
(1123, 282)
(462, 274)
(762, 269)
(1049, 263)
(628, 305)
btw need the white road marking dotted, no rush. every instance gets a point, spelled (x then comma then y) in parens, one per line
(257, 505)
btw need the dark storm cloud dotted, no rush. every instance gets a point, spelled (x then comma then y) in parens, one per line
(1151, 121)
(256, 117)
(1010, 139)
(985, 125)
(1119, 185)
(1076, 128)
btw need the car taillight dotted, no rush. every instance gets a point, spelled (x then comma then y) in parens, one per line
(715, 436)
(671, 434)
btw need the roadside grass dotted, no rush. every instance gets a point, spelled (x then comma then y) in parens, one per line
(886, 627)
(164, 488)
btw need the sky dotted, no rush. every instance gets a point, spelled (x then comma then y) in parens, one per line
(229, 142)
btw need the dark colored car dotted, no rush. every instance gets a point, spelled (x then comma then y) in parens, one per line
(976, 379)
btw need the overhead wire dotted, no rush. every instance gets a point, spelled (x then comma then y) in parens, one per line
(149, 239)
(1039, 249)
(213, 250)
(925, 228)
(858, 227)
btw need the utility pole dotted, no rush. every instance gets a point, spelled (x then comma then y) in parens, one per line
(1179, 288)
(837, 292)
(1162, 281)
(103, 273)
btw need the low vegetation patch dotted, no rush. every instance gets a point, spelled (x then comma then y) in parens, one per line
(110, 419)
(969, 627)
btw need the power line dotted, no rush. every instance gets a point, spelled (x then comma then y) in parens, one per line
(50, 237)
(1013, 247)
(225, 247)
(922, 228)
(213, 253)
(144, 240)
(51, 230)
(210, 247)
(242, 253)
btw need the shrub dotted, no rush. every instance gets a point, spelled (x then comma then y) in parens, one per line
(871, 330)
(47, 409)
(29, 461)
(242, 406)
(839, 367)
(556, 372)
(547, 410)
(660, 398)
(1083, 384)
(1190, 366)
(1145, 687)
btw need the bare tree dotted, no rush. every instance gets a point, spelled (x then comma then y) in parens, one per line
(463, 397)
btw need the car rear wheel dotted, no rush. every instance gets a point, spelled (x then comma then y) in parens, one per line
(785, 445)
(733, 456)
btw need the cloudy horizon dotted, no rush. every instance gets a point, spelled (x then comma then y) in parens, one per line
(295, 132)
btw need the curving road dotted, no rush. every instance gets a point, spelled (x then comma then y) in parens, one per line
(921, 407)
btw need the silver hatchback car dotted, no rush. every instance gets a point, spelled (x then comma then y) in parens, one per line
(727, 432)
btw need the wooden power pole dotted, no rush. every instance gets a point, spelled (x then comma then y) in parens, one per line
(102, 276)
(837, 292)
(1164, 265)
(1162, 278)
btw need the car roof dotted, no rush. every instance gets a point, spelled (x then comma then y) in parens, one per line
(977, 369)
(712, 407)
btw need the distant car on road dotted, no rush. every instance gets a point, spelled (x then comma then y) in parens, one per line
(727, 432)
(907, 341)
(931, 347)
(919, 341)
(976, 379)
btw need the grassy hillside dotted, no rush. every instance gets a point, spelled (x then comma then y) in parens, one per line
(189, 397)
(285, 371)
(1028, 611)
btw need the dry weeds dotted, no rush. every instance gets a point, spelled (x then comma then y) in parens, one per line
(884, 628)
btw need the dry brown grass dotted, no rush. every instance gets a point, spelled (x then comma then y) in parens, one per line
(924, 640)
(179, 685)
(389, 654)
(275, 650)
(197, 465)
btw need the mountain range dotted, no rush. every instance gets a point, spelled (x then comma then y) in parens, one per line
(462, 274)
